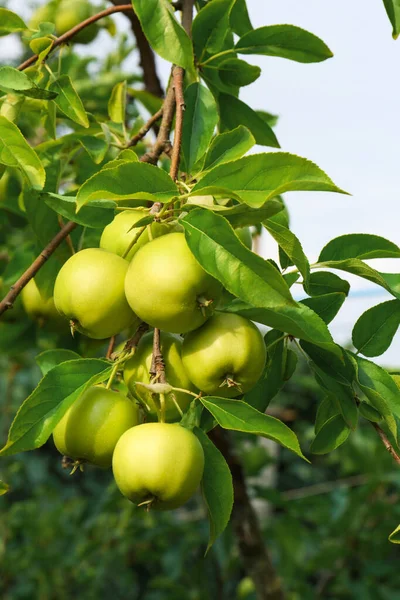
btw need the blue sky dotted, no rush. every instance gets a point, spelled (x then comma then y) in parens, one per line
(342, 114)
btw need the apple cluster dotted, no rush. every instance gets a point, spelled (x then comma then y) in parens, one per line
(148, 274)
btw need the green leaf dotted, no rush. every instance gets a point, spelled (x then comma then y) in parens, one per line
(285, 41)
(394, 537)
(49, 359)
(164, 33)
(299, 321)
(241, 215)
(216, 486)
(257, 178)
(68, 100)
(340, 367)
(327, 409)
(240, 20)
(239, 416)
(358, 245)
(236, 72)
(374, 331)
(95, 147)
(331, 435)
(233, 112)
(129, 180)
(56, 392)
(342, 393)
(151, 102)
(326, 306)
(291, 246)
(96, 214)
(379, 387)
(215, 245)
(10, 22)
(228, 146)
(4, 488)
(210, 27)
(117, 103)
(16, 152)
(369, 412)
(389, 281)
(393, 12)
(201, 118)
(13, 80)
(324, 282)
(274, 376)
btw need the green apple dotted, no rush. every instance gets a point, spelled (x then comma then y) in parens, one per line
(121, 232)
(158, 464)
(89, 291)
(36, 307)
(167, 288)
(226, 356)
(92, 426)
(137, 369)
(73, 12)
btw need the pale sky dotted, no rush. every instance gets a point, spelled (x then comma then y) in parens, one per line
(342, 114)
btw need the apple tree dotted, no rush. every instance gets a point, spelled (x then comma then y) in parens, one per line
(129, 216)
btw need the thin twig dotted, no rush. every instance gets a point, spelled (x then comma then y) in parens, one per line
(165, 129)
(110, 348)
(135, 339)
(146, 128)
(157, 368)
(15, 289)
(70, 34)
(177, 83)
(386, 442)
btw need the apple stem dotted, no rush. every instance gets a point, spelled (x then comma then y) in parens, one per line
(148, 503)
(162, 408)
(112, 375)
(133, 242)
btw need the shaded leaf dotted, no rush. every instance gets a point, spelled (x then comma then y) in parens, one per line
(217, 487)
(96, 214)
(210, 27)
(326, 306)
(331, 435)
(49, 359)
(239, 18)
(393, 12)
(325, 282)
(16, 152)
(374, 331)
(201, 118)
(233, 112)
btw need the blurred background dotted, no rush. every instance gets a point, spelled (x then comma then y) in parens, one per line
(325, 524)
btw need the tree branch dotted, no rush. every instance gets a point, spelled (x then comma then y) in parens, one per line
(254, 554)
(386, 442)
(15, 289)
(146, 128)
(177, 83)
(151, 80)
(70, 34)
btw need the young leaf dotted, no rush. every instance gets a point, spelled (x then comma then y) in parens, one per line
(326, 306)
(358, 245)
(374, 331)
(128, 180)
(16, 152)
(393, 12)
(239, 416)
(117, 103)
(228, 146)
(291, 246)
(96, 214)
(210, 27)
(216, 486)
(394, 537)
(13, 80)
(165, 34)
(201, 118)
(331, 435)
(68, 100)
(49, 359)
(324, 282)
(4, 488)
(56, 392)
(233, 112)
(285, 41)
(257, 178)
(10, 22)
